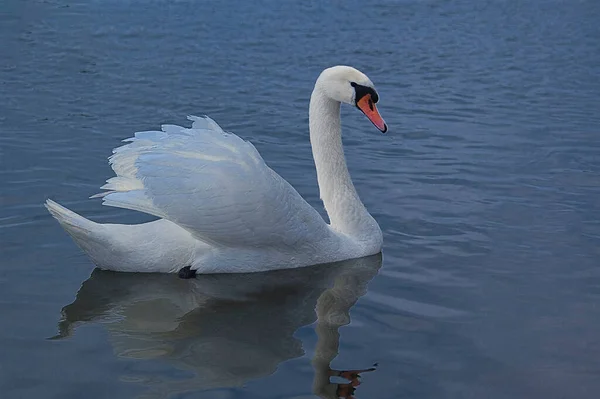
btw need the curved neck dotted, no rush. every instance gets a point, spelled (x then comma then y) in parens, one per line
(346, 212)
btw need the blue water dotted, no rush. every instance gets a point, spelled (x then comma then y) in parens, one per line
(487, 189)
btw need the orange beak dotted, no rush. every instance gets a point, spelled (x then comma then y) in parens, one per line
(367, 106)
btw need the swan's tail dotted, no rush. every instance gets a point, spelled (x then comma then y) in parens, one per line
(158, 246)
(90, 236)
(76, 225)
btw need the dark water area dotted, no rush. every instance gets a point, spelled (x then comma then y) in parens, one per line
(486, 187)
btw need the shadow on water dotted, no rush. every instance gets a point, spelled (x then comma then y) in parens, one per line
(225, 329)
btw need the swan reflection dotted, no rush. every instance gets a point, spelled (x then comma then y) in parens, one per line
(225, 329)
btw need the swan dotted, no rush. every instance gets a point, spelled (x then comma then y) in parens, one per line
(221, 209)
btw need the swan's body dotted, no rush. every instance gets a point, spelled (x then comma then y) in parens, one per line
(221, 208)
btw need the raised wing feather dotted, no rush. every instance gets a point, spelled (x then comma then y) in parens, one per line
(213, 184)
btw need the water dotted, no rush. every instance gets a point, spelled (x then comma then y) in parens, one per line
(486, 189)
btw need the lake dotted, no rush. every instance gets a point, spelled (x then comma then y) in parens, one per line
(486, 187)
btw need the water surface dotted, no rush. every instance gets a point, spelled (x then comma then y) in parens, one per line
(486, 188)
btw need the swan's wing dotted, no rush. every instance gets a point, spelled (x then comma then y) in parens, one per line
(213, 184)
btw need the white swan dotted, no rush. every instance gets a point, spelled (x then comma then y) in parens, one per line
(221, 208)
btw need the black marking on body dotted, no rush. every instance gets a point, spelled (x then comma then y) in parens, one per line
(187, 272)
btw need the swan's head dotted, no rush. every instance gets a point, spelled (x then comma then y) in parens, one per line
(349, 85)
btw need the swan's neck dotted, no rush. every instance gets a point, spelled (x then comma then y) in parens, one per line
(346, 212)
